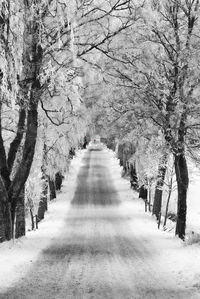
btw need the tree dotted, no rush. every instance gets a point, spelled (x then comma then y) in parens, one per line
(179, 78)
(156, 79)
(42, 74)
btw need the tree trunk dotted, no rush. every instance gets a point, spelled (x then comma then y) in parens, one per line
(3, 161)
(32, 220)
(52, 189)
(23, 168)
(58, 180)
(167, 204)
(157, 204)
(133, 177)
(149, 195)
(43, 204)
(31, 90)
(5, 221)
(182, 184)
(120, 154)
(5, 214)
(43, 200)
(14, 146)
(20, 225)
(2, 225)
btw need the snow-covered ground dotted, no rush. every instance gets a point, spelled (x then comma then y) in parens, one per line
(16, 258)
(193, 200)
(179, 260)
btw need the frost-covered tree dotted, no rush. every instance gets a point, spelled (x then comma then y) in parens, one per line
(173, 81)
(155, 75)
(44, 45)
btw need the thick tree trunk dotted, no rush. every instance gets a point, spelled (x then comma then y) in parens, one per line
(182, 184)
(20, 224)
(157, 204)
(5, 214)
(3, 161)
(5, 222)
(2, 224)
(14, 146)
(23, 168)
(52, 189)
(58, 180)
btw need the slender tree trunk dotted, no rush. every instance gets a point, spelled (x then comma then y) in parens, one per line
(168, 200)
(120, 154)
(133, 176)
(20, 224)
(157, 204)
(32, 220)
(182, 177)
(43, 200)
(149, 195)
(182, 184)
(52, 189)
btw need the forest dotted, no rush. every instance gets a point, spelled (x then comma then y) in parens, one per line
(128, 70)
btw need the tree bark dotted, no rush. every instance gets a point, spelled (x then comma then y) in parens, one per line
(133, 177)
(20, 224)
(149, 194)
(3, 161)
(157, 204)
(32, 220)
(182, 184)
(14, 146)
(167, 204)
(52, 189)
(43, 199)
(58, 180)
(5, 214)
(23, 168)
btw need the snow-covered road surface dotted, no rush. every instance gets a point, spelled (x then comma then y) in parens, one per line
(103, 250)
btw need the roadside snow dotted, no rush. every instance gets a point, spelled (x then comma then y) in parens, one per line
(16, 258)
(180, 259)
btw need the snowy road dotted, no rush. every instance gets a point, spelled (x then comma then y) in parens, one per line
(99, 252)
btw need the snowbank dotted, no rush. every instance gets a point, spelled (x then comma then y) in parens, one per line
(16, 258)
